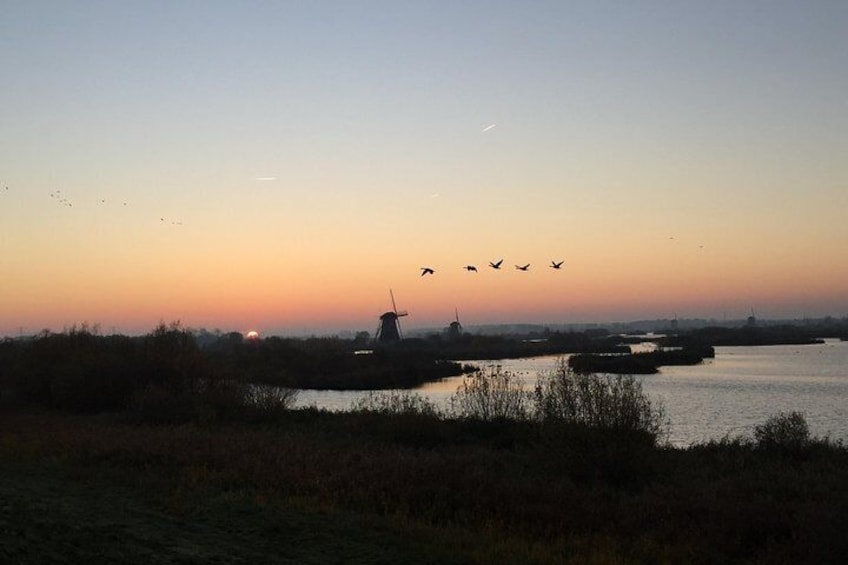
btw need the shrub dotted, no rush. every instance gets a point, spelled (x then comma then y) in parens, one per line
(490, 395)
(269, 401)
(598, 401)
(783, 431)
(403, 418)
(395, 402)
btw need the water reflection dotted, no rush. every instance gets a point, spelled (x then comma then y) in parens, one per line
(743, 386)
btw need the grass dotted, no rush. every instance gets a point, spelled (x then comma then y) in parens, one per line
(76, 514)
(371, 487)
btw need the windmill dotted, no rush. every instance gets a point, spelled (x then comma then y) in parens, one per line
(389, 328)
(455, 328)
(752, 320)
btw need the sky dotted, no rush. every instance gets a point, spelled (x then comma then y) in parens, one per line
(280, 166)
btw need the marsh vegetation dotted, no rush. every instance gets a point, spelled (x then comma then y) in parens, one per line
(191, 466)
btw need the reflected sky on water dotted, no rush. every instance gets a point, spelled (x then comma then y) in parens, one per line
(727, 395)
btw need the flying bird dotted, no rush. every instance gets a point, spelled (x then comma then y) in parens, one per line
(470, 268)
(426, 271)
(523, 267)
(555, 265)
(496, 265)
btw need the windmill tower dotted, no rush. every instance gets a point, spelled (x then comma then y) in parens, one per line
(389, 329)
(455, 328)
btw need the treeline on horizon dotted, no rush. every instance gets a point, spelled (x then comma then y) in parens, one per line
(80, 369)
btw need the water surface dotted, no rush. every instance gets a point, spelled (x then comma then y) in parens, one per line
(727, 395)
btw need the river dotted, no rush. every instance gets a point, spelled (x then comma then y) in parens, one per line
(727, 395)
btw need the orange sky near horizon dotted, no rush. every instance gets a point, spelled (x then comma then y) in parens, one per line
(246, 289)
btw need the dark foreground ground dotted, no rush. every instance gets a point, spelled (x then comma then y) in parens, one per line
(68, 514)
(313, 487)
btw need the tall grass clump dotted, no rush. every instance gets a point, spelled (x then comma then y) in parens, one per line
(615, 403)
(395, 402)
(401, 417)
(271, 399)
(492, 394)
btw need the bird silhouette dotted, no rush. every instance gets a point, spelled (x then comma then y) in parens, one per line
(523, 267)
(470, 268)
(496, 265)
(426, 271)
(555, 265)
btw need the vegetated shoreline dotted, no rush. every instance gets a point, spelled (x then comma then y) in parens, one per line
(453, 491)
(690, 348)
(172, 433)
(642, 363)
(59, 363)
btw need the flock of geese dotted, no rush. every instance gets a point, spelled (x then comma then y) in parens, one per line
(496, 265)
(63, 200)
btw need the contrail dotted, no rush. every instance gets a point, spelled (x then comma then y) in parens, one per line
(487, 128)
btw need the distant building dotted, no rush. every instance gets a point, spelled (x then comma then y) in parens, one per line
(389, 329)
(454, 330)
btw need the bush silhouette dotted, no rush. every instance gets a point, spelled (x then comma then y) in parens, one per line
(785, 431)
(488, 395)
(598, 401)
(396, 403)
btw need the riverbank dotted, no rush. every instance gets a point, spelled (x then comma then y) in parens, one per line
(311, 487)
(642, 363)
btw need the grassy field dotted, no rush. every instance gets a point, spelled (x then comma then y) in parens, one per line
(70, 514)
(314, 487)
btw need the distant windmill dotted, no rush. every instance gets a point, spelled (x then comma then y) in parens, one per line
(389, 328)
(455, 328)
(752, 319)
